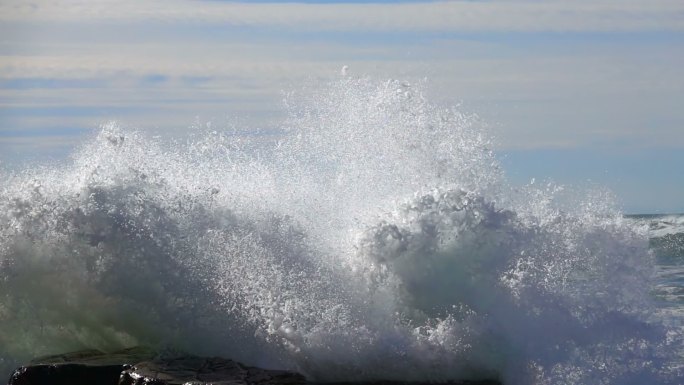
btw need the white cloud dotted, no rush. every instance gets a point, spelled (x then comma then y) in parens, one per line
(525, 15)
(176, 65)
(540, 96)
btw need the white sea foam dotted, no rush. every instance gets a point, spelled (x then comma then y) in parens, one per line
(661, 225)
(376, 239)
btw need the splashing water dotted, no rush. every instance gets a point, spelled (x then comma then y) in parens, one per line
(377, 239)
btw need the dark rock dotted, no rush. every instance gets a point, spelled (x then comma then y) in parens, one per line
(67, 374)
(140, 366)
(84, 367)
(197, 370)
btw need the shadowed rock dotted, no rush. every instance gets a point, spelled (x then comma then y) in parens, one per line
(67, 374)
(199, 370)
(140, 366)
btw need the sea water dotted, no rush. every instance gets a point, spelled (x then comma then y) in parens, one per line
(374, 237)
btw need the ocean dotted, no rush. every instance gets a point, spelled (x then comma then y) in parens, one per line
(373, 236)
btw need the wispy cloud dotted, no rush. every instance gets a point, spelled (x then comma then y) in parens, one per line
(544, 75)
(501, 15)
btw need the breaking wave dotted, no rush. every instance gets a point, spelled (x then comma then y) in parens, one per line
(374, 238)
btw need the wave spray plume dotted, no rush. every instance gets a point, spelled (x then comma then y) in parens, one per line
(376, 238)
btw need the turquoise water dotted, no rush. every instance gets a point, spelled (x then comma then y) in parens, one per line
(667, 243)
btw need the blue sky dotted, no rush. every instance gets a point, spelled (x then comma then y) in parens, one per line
(577, 92)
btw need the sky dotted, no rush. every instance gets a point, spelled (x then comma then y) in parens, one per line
(577, 92)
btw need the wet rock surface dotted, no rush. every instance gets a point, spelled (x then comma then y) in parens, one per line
(140, 366)
(199, 370)
(67, 374)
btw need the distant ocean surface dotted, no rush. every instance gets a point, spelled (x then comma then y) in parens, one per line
(376, 237)
(666, 233)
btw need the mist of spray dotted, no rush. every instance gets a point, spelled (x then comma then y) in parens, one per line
(376, 238)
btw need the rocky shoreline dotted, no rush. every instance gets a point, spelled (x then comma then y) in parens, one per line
(140, 366)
